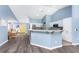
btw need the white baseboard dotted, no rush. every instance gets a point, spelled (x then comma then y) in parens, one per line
(75, 44)
(45, 46)
(68, 40)
(3, 42)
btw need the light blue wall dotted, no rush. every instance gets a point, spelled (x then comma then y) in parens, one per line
(6, 12)
(43, 19)
(75, 24)
(3, 34)
(60, 14)
(48, 19)
(35, 20)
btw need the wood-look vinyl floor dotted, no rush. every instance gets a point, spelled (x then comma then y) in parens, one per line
(22, 45)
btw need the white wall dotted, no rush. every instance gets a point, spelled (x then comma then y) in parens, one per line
(67, 29)
(60, 23)
(37, 24)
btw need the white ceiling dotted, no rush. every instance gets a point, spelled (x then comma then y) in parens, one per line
(34, 11)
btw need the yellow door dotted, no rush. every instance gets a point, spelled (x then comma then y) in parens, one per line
(22, 28)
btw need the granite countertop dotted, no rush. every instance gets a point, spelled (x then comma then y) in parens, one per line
(46, 30)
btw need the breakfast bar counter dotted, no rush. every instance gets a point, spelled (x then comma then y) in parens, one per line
(49, 39)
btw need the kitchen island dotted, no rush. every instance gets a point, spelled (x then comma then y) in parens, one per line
(49, 39)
